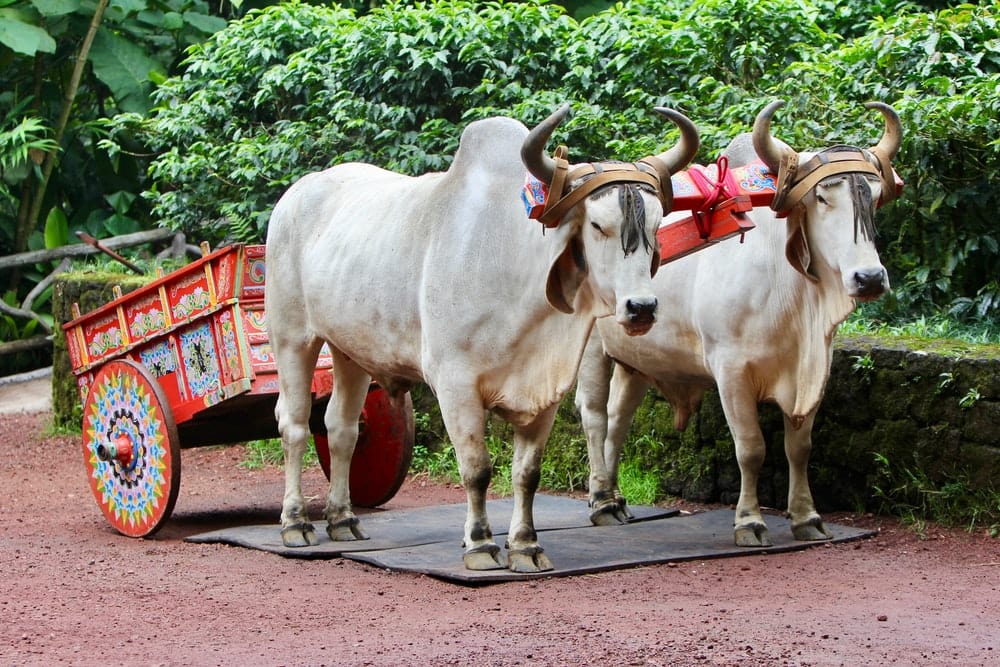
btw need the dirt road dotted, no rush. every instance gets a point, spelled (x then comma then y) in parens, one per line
(73, 592)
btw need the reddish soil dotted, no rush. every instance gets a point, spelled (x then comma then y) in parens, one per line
(73, 591)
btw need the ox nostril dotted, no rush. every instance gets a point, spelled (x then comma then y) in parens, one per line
(641, 307)
(870, 282)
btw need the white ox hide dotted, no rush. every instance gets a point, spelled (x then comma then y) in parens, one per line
(757, 320)
(443, 279)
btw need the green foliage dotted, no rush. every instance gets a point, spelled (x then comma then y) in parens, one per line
(438, 465)
(869, 319)
(268, 452)
(864, 366)
(941, 71)
(50, 108)
(909, 493)
(293, 88)
(640, 484)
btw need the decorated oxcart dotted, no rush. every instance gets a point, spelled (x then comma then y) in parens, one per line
(185, 361)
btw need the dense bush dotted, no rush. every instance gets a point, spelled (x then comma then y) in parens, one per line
(293, 87)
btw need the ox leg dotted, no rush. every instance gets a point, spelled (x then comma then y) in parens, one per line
(523, 550)
(592, 392)
(350, 387)
(297, 361)
(740, 407)
(628, 388)
(466, 423)
(806, 521)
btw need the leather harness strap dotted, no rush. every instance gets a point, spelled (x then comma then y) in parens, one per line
(645, 172)
(795, 180)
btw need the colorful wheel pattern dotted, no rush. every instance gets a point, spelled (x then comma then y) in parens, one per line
(383, 452)
(130, 448)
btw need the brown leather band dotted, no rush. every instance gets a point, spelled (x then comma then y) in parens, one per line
(601, 174)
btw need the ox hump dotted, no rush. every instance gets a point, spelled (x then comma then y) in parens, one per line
(493, 144)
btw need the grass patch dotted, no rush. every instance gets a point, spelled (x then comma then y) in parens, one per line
(639, 485)
(866, 321)
(911, 495)
(268, 452)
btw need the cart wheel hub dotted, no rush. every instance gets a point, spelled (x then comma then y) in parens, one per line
(120, 450)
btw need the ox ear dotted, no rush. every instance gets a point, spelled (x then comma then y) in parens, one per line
(797, 245)
(566, 274)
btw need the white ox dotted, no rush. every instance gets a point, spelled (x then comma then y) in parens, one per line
(756, 318)
(443, 279)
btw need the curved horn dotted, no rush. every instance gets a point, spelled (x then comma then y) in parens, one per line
(678, 157)
(768, 150)
(891, 139)
(533, 154)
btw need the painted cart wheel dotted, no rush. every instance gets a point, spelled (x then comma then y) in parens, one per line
(130, 448)
(383, 452)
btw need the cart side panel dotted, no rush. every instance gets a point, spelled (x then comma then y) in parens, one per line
(146, 316)
(252, 284)
(225, 272)
(190, 295)
(105, 336)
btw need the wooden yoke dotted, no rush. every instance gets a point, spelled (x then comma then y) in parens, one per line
(717, 196)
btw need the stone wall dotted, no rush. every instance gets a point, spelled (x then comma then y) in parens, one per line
(892, 407)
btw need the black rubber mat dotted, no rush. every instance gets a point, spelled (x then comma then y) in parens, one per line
(598, 548)
(393, 529)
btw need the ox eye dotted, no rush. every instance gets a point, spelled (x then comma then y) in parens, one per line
(820, 198)
(598, 228)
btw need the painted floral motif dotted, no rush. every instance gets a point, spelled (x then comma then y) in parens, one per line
(255, 318)
(683, 185)
(200, 365)
(147, 321)
(159, 358)
(262, 353)
(757, 178)
(256, 271)
(197, 299)
(131, 495)
(225, 273)
(105, 341)
(229, 346)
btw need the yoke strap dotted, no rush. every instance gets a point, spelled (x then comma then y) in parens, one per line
(794, 181)
(601, 174)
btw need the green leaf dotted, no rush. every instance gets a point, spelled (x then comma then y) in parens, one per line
(172, 21)
(125, 8)
(22, 37)
(56, 229)
(124, 68)
(56, 7)
(207, 24)
(121, 201)
(121, 224)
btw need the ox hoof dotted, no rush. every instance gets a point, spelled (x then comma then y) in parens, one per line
(529, 559)
(484, 557)
(752, 535)
(811, 531)
(346, 530)
(623, 506)
(608, 514)
(299, 535)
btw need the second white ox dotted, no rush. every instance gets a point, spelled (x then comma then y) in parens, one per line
(756, 319)
(443, 279)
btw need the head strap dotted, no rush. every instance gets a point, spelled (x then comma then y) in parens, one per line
(645, 172)
(795, 180)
